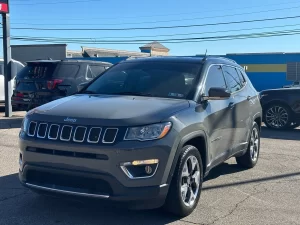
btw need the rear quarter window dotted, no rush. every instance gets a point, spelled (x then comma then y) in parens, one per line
(66, 71)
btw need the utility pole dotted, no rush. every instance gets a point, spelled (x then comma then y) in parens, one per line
(4, 10)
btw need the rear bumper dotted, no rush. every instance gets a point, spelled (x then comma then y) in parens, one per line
(37, 101)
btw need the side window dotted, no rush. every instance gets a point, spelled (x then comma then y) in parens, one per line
(241, 76)
(67, 70)
(214, 78)
(94, 70)
(232, 78)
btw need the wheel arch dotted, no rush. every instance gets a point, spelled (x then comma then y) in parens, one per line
(197, 139)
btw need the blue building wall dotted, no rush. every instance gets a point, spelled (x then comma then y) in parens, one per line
(265, 70)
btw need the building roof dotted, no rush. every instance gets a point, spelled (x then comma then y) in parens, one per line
(102, 52)
(75, 53)
(155, 44)
(39, 45)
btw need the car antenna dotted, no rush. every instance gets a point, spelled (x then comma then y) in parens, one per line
(205, 56)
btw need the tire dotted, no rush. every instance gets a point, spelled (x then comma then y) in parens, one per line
(174, 201)
(250, 158)
(278, 116)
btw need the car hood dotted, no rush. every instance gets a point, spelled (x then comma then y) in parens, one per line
(109, 110)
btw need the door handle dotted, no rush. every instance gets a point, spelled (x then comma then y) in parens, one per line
(231, 105)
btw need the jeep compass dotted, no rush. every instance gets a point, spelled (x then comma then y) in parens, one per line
(144, 133)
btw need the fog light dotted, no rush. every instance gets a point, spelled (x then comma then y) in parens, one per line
(148, 169)
(140, 168)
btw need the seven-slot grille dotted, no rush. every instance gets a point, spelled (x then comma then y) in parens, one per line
(72, 133)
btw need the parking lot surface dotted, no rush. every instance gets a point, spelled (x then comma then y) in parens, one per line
(267, 194)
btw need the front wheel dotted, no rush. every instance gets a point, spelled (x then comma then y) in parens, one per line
(186, 185)
(250, 158)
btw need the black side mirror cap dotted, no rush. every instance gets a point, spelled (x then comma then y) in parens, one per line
(216, 93)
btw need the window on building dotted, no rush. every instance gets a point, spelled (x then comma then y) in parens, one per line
(214, 78)
(232, 78)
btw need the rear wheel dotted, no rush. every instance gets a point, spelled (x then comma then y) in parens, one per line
(250, 158)
(277, 116)
(185, 188)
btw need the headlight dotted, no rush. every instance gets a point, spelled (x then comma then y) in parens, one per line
(150, 132)
(25, 124)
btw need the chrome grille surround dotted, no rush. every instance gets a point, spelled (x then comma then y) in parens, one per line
(74, 137)
(58, 127)
(110, 142)
(61, 133)
(28, 132)
(37, 134)
(100, 131)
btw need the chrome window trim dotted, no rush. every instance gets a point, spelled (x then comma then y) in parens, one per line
(79, 141)
(62, 139)
(37, 134)
(114, 137)
(94, 142)
(50, 138)
(32, 135)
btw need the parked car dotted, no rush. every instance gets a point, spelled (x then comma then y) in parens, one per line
(281, 107)
(294, 84)
(143, 134)
(43, 81)
(16, 66)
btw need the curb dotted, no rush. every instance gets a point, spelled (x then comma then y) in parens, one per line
(14, 122)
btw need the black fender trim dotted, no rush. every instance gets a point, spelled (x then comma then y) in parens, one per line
(186, 138)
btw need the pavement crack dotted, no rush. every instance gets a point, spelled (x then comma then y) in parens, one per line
(192, 222)
(12, 197)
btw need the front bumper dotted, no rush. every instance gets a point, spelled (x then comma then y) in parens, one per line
(94, 178)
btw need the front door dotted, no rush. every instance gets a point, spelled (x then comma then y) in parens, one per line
(219, 118)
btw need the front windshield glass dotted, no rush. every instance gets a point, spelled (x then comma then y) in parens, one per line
(158, 79)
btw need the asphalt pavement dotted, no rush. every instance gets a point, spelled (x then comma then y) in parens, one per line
(266, 194)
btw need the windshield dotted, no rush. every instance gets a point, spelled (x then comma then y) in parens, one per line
(159, 79)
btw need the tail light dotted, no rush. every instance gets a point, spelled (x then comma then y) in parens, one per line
(51, 84)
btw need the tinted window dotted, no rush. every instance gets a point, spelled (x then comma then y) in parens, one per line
(161, 79)
(241, 76)
(214, 78)
(67, 70)
(37, 71)
(94, 71)
(232, 78)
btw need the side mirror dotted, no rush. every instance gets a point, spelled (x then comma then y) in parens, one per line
(216, 93)
(81, 86)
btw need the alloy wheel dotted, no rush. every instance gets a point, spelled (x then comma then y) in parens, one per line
(277, 117)
(190, 181)
(254, 144)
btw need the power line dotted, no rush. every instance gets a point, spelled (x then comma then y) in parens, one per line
(158, 27)
(179, 34)
(178, 40)
(163, 21)
(167, 15)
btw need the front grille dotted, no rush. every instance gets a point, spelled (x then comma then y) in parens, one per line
(68, 182)
(79, 134)
(110, 135)
(32, 128)
(66, 133)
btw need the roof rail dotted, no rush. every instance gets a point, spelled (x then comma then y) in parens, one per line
(228, 59)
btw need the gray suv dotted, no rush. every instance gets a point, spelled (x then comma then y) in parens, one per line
(144, 133)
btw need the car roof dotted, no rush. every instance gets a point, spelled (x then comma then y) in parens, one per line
(184, 59)
(70, 61)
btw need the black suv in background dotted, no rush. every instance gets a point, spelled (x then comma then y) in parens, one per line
(145, 132)
(281, 107)
(43, 81)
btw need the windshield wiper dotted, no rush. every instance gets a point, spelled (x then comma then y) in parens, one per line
(88, 92)
(134, 93)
